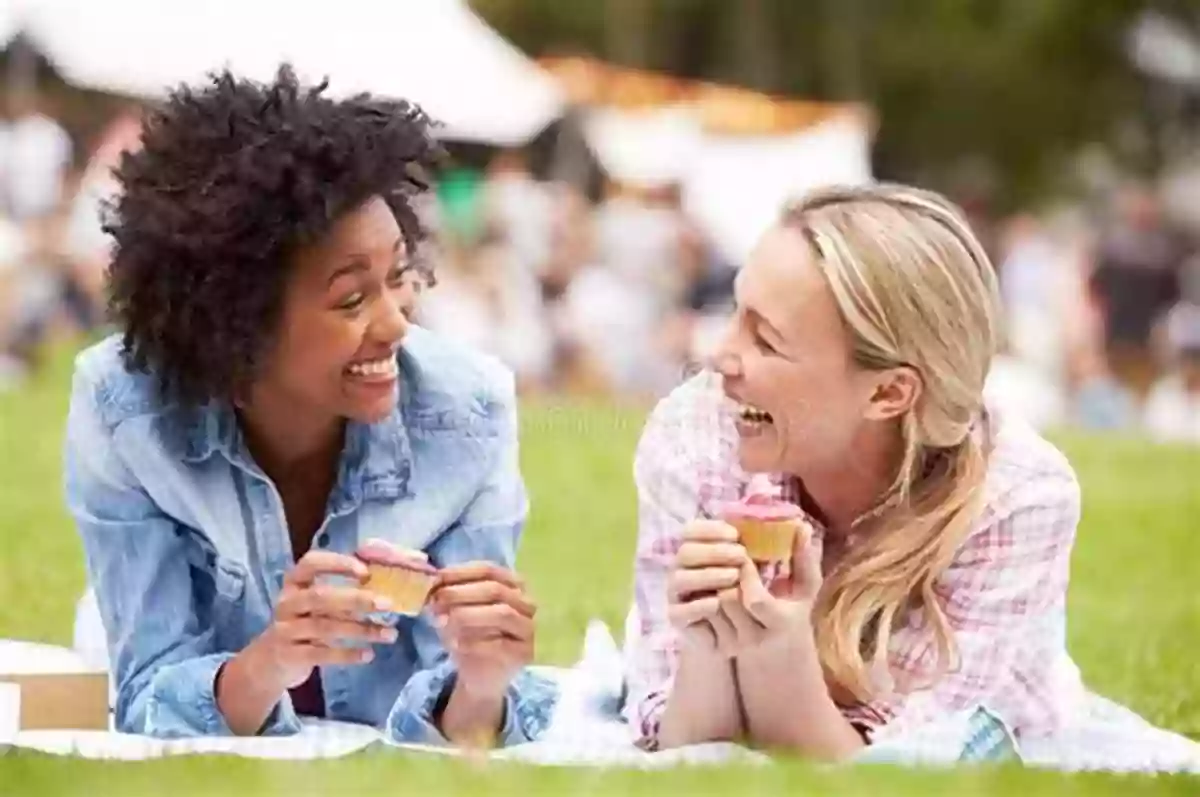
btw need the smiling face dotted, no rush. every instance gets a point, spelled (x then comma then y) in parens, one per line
(345, 314)
(865, 329)
(786, 359)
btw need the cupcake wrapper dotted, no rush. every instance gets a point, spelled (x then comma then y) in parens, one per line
(406, 588)
(767, 540)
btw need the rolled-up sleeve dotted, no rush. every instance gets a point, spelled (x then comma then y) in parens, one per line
(681, 466)
(163, 659)
(488, 530)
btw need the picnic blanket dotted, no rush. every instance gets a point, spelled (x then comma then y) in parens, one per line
(587, 730)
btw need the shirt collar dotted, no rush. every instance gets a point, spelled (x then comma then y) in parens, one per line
(376, 460)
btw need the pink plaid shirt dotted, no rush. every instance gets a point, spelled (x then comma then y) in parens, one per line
(1004, 595)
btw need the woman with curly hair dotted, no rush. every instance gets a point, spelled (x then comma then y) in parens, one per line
(266, 409)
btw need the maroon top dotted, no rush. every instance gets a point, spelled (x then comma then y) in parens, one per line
(308, 698)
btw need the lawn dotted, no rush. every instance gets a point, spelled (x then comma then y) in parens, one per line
(1135, 613)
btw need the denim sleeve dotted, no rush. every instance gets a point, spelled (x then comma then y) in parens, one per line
(488, 530)
(139, 561)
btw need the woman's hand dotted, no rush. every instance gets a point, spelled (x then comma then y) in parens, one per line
(709, 561)
(312, 625)
(754, 614)
(719, 601)
(317, 624)
(486, 622)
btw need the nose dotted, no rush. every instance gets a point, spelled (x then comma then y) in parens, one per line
(726, 357)
(391, 322)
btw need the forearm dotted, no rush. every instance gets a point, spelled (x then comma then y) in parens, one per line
(472, 718)
(702, 706)
(787, 702)
(246, 693)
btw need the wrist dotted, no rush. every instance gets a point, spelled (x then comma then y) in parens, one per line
(793, 639)
(706, 657)
(246, 692)
(260, 668)
(471, 714)
(478, 692)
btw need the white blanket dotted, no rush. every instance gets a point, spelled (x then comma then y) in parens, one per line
(317, 739)
(585, 731)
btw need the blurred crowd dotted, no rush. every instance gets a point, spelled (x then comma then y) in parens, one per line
(53, 250)
(617, 296)
(599, 298)
(1103, 317)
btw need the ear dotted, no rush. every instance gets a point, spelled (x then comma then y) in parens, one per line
(895, 392)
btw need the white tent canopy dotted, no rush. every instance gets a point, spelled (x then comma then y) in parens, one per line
(435, 52)
(650, 147)
(735, 185)
(738, 185)
(9, 21)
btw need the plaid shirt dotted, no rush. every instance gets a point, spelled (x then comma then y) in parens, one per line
(1004, 594)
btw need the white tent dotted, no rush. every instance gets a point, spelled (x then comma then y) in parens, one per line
(655, 146)
(435, 52)
(734, 184)
(737, 185)
(9, 21)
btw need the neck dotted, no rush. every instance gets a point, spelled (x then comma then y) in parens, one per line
(287, 442)
(848, 488)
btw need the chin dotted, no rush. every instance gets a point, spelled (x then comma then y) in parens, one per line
(759, 454)
(369, 412)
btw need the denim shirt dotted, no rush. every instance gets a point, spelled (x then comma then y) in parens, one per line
(187, 545)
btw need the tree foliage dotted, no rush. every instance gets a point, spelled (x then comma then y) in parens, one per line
(1007, 89)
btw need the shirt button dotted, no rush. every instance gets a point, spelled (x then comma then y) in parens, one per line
(322, 540)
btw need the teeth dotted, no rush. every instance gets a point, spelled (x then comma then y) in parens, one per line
(383, 367)
(754, 414)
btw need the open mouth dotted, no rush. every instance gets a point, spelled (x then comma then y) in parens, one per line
(752, 418)
(380, 370)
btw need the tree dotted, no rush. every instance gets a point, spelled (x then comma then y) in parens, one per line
(1017, 86)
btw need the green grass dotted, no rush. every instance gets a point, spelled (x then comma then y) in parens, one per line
(1134, 613)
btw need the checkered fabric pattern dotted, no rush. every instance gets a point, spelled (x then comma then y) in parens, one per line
(1004, 594)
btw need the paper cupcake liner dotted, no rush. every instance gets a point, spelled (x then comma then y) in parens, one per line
(767, 541)
(406, 588)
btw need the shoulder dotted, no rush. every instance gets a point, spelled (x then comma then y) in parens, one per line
(448, 382)
(1024, 464)
(690, 439)
(694, 418)
(1031, 494)
(103, 383)
(119, 432)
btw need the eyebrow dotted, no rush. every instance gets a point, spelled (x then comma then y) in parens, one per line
(355, 266)
(759, 318)
(359, 262)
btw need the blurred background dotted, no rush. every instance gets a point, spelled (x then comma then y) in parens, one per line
(615, 160)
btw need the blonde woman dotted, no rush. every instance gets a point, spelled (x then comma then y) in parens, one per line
(850, 382)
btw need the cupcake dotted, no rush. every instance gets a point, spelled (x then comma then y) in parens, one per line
(767, 527)
(402, 575)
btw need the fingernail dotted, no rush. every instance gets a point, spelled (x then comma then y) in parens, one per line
(390, 635)
(366, 655)
(383, 604)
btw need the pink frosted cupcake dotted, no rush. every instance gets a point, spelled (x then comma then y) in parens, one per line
(402, 575)
(767, 527)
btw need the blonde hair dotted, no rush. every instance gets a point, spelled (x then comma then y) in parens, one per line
(914, 288)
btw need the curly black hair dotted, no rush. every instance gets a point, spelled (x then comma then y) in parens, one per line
(231, 176)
